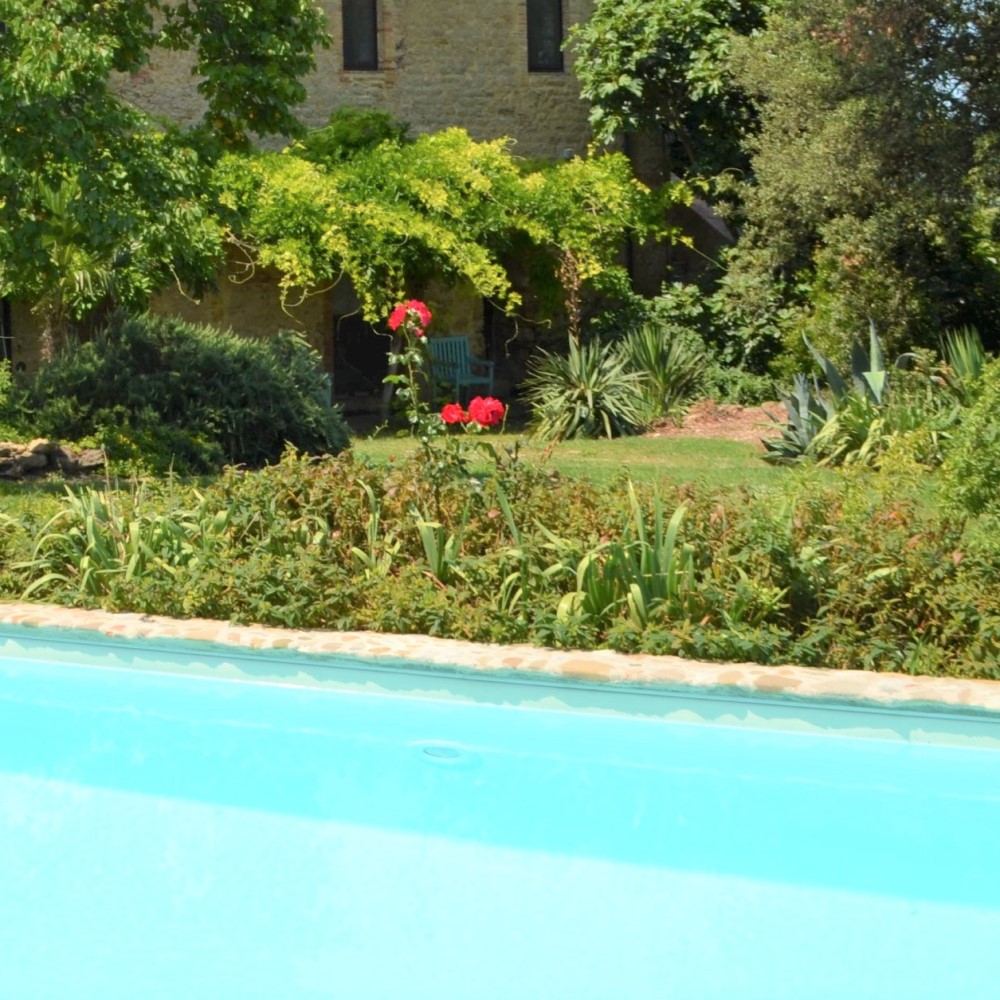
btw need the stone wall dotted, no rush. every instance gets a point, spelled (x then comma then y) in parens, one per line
(252, 308)
(442, 63)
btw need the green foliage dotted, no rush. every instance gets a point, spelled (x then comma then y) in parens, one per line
(672, 368)
(965, 361)
(735, 345)
(101, 540)
(869, 198)
(857, 418)
(97, 200)
(649, 65)
(592, 391)
(169, 393)
(348, 132)
(972, 466)
(855, 570)
(251, 59)
(391, 215)
(648, 574)
(6, 386)
(808, 412)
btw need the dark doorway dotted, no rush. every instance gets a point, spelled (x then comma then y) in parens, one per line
(6, 333)
(360, 357)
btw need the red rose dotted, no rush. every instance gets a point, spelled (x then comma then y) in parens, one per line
(486, 412)
(423, 313)
(397, 317)
(413, 313)
(452, 413)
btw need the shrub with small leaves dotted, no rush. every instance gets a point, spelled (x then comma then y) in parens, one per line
(971, 471)
(187, 397)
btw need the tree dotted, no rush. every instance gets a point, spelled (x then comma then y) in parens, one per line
(874, 191)
(97, 201)
(661, 65)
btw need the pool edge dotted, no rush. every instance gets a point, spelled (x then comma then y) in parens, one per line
(791, 683)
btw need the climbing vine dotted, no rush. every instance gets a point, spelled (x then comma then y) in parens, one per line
(392, 215)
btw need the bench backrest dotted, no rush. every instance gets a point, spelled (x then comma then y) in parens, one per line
(452, 352)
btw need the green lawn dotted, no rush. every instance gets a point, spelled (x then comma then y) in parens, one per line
(39, 498)
(670, 459)
(674, 459)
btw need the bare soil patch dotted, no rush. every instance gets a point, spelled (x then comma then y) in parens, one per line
(709, 419)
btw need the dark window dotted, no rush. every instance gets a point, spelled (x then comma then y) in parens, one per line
(545, 36)
(360, 34)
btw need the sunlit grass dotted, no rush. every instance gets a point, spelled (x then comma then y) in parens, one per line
(714, 463)
(643, 459)
(38, 497)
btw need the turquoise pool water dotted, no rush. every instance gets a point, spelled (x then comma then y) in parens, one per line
(168, 829)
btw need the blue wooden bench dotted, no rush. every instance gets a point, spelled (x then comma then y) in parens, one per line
(452, 361)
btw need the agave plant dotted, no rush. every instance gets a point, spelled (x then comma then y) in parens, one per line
(808, 412)
(847, 422)
(869, 375)
(591, 392)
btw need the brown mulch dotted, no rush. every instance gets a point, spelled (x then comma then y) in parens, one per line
(709, 419)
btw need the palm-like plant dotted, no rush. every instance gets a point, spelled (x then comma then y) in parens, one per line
(965, 359)
(671, 367)
(591, 392)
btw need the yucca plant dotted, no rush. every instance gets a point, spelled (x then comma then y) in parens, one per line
(382, 547)
(656, 568)
(672, 368)
(99, 539)
(650, 572)
(442, 548)
(591, 392)
(965, 358)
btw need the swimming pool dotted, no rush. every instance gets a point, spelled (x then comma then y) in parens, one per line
(182, 821)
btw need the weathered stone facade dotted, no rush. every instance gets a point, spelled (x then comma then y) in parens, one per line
(441, 63)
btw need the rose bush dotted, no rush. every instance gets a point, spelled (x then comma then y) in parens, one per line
(447, 460)
(452, 413)
(486, 411)
(414, 314)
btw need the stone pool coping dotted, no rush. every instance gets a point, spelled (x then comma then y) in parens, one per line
(899, 691)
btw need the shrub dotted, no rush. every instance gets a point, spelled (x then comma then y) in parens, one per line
(10, 402)
(855, 570)
(348, 132)
(971, 471)
(672, 368)
(176, 394)
(592, 392)
(857, 418)
(735, 348)
(965, 360)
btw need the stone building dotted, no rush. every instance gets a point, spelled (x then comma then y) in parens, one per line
(494, 67)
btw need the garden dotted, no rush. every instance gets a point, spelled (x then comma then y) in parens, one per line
(858, 303)
(875, 550)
